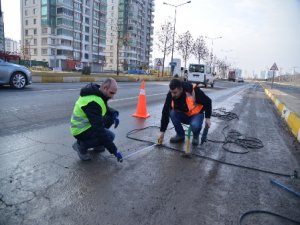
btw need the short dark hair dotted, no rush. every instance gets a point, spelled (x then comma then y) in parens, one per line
(175, 83)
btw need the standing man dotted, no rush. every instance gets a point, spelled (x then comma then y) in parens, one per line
(185, 104)
(92, 119)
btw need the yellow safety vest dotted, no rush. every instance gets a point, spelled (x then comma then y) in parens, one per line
(79, 120)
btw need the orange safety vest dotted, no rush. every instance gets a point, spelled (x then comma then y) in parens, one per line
(193, 107)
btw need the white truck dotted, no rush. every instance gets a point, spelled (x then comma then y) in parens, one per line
(177, 68)
(201, 74)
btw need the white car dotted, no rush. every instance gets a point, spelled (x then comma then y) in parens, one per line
(78, 67)
(15, 75)
(240, 79)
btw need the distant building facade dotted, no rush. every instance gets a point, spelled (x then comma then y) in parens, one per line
(2, 39)
(129, 34)
(64, 31)
(12, 46)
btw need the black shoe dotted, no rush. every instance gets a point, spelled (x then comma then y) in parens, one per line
(177, 139)
(99, 149)
(82, 153)
(195, 141)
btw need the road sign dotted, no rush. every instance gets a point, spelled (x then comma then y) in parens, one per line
(274, 67)
(158, 63)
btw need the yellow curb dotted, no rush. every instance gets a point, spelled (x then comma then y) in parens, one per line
(87, 79)
(280, 107)
(47, 79)
(294, 123)
(292, 119)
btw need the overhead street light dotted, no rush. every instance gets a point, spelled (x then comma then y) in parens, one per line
(212, 44)
(175, 6)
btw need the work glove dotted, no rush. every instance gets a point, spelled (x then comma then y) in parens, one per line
(119, 156)
(115, 116)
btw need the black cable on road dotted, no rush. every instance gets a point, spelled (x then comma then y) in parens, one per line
(265, 212)
(223, 114)
(235, 137)
(205, 157)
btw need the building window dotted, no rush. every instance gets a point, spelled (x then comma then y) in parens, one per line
(33, 1)
(44, 51)
(87, 38)
(26, 32)
(35, 51)
(44, 41)
(86, 56)
(26, 2)
(87, 20)
(26, 22)
(34, 10)
(44, 30)
(34, 31)
(34, 41)
(34, 21)
(26, 13)
(87, 29)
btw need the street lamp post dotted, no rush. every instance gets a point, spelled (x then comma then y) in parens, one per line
(175, 6)
(212, 44)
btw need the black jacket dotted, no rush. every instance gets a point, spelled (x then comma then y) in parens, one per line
(94, 115)
(180, 104)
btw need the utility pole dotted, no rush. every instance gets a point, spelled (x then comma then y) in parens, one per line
(172, 59)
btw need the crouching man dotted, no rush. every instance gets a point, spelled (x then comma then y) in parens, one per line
(185, 104)
(92, 118)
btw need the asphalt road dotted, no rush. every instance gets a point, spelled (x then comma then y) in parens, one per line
(42, 181)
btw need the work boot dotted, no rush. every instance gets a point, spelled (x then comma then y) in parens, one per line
(99, 149)
(82, 153)
(177, 139)
(195, 141)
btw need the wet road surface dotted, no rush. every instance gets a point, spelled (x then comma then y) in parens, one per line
(42, 180)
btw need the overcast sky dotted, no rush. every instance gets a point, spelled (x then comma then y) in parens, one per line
(255, 33)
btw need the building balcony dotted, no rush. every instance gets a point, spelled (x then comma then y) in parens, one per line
(65, 47)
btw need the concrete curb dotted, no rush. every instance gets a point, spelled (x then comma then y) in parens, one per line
(77, 79)
(291, 118)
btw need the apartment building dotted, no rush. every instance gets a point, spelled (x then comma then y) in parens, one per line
(129, 34)
(64, 32)
(2, 40)
(12, 46)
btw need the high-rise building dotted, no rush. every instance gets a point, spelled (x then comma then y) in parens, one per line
(2, 39)
(129, 34)
(64, 32)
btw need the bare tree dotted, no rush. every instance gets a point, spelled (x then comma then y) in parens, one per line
(164, 37)
(223, 67)
(184, 46)
(199, 50)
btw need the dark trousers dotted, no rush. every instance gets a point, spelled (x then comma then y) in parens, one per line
(93, 139)
(194, 121)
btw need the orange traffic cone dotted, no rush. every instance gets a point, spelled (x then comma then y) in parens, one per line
(141, 108)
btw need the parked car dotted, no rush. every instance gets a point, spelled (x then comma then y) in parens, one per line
(15, 75)
(240, 79)
(78, 67)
